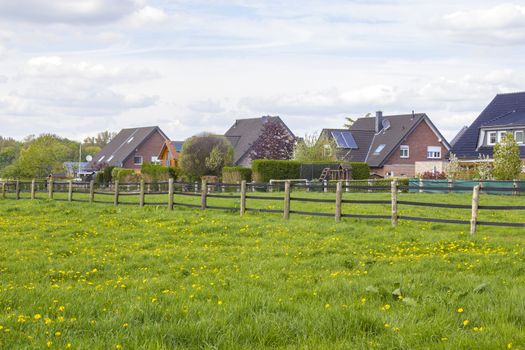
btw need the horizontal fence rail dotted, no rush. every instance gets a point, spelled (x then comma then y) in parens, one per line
(116, 194)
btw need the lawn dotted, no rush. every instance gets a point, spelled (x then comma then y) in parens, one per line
(95, 276)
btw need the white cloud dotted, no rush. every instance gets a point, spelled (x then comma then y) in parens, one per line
(147, 16)
(501, 24)
(66, 11)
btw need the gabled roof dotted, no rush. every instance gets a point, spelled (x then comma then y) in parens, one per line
(458, 135)
(389, 139)
(362, 138)
(124, 145)
(505, 110)
(244, 132)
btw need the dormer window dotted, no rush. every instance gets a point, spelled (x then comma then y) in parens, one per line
(518, 136)
(492, 138)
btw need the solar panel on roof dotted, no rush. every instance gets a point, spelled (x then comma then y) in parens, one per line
(344, 139)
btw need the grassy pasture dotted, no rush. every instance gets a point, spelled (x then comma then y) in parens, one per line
(95, 276)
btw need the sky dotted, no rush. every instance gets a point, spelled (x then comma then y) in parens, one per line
(75, 68)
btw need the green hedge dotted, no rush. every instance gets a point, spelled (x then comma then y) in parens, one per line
(121, 174)
(360, 170)
(234, 174)
(265, 170)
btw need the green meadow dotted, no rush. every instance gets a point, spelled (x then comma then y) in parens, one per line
(96, 276)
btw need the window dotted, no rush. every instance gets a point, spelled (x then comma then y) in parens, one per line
(492, 138)
(501, 135)
(518, 136)
(433, 152)
(327, 151)
(379, 149)
(110, 158)
(403, 151)
(155, 160)
(137, 160)
(101, 158)
(130, 139)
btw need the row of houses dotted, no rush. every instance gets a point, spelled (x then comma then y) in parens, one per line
(392, 145)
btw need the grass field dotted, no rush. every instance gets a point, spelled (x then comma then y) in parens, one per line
(95, 276)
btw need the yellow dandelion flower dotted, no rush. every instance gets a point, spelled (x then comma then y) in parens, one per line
(460, 310)
(327, 306)
(387, 325)
(465, 322)
(219, 302)
(363, 300)
(37, 316)
(61, 308)
(58, 334)
(386, 307)
(47, 320)
(125, 325)
(509, 346)
(49, 343)
(153, 300)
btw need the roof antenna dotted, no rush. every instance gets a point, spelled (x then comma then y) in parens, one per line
(413, 115)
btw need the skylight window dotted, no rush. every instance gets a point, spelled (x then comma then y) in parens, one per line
(130, 139)
(101, 158)
(379, 149)
(110, 158)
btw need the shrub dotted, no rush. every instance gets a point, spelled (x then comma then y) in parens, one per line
(433, 175)
(507, 162)
(154, 172)
(360, 171)
(124, 175)
(234, 174)
(265, 170)
(104, 176)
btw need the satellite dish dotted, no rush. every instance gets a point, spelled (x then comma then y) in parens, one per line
(89, 158)
(386, 124)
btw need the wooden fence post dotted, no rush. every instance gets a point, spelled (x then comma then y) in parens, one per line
(142, 194)
(204, 193)
(170, 194)
(338, 200)
(17, 189)
(50, 184)
(4, 188)
(115, 200)
(347, 186)
(475, 202)
(286, 208)
(450, 183)
(394, 202)
(70, 191)
(515, 187)
(33, 188)
(91, 191)
(421, 186)
(325, 184)
(243, 197)
(370, 184)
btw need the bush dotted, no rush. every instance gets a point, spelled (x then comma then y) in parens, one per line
(104, 177)
(360, 171)
(234, 174)
(154, 172)
(433, 175)
(265, 170)
(124, 175)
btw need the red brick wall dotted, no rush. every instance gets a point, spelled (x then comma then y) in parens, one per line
(417, 142)
(151, 147)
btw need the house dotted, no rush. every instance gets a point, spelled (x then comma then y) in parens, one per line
(505, 114)
(170, 153)
(130, 148)
(396, 145)
(243, 134)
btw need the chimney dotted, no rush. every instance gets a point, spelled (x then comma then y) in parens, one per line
(379, 121)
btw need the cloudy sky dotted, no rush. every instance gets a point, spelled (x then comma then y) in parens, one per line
(77, 67)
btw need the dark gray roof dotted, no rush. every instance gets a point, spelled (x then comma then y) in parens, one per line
(458, 135)
(362, 138)
(503, 110)
(244, 132)
(124, 144)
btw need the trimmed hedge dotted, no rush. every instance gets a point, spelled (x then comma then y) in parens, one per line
(265, 170)
(234, 174)
(360, 170)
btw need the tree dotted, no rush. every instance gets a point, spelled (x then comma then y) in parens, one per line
(484, 168)
(313, 149)
(205, 154)
(9, 150)
(349, 122)
(275, 142)
(101, 140)
(453, 167)
(507, 163)
(42, 156)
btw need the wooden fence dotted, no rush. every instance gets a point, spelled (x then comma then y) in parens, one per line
(206, 190)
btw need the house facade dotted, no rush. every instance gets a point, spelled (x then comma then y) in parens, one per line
(130, 148)
(170, 153)
(504, 114)
(396, 145)
(243, 134)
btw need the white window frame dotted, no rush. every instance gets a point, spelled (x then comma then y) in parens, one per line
(495, 134)
(432, 153)
(404, 148)
(516, 137)
(155, 160)
(141, 160)
(501, 134)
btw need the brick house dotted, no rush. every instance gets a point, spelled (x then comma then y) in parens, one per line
(397, 145)
(170, 153)
(130, 148)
